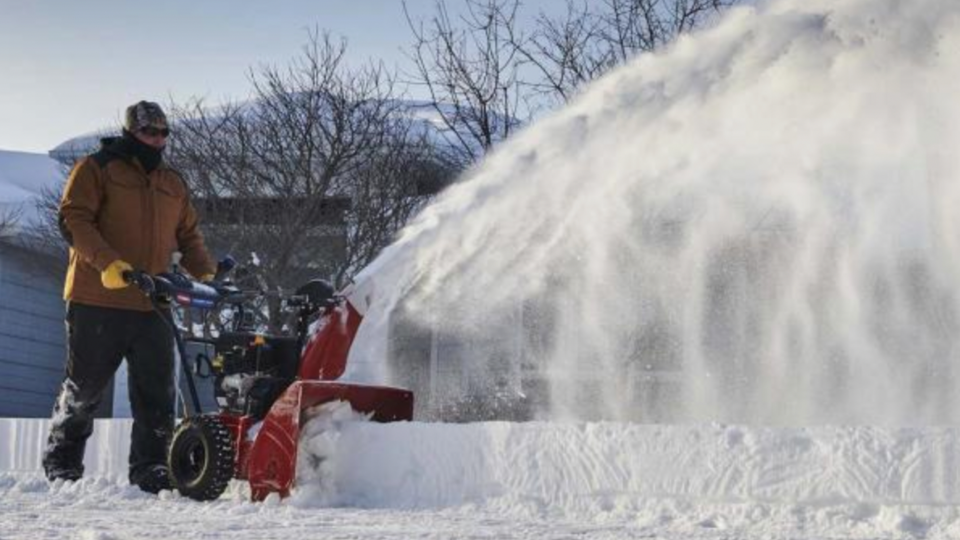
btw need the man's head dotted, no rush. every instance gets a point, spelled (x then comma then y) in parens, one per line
(147, 122)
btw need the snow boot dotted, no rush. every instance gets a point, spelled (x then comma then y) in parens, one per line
(152, 479)
(66, 473)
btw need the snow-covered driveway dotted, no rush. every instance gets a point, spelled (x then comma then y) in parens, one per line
(530, 480)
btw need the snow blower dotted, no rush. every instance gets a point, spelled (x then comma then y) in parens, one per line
(263, 383)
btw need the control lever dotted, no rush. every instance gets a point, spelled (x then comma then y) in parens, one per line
(224, 267)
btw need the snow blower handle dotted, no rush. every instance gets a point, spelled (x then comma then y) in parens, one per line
(148, 284)
(141, 279)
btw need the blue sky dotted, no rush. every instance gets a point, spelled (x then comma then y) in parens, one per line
(70, 67)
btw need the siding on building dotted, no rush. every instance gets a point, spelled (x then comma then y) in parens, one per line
(31, 334)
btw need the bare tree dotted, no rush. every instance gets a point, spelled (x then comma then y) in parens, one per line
(484, 73)
(386, 193)
(633, 26)
(590, 39)
(566, 52)
(9, 220)
(45, 233)
(470, 72)
(315, 174)
(43, 251)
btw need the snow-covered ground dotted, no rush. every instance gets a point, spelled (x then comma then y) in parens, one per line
(523, 480)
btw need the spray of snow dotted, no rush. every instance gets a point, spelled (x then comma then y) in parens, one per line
(758, 224)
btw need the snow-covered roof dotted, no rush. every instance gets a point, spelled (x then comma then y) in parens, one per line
(23, 177)
(70, 150)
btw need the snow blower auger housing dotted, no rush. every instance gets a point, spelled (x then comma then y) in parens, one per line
(263, 383)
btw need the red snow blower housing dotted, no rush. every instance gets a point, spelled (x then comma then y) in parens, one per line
(263, 383)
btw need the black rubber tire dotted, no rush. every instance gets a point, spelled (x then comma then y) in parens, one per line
(200, 459)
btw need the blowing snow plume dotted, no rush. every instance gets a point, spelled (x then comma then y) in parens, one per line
(758, 225)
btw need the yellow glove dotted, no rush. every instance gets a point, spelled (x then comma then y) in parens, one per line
(207, 278)
(112, 276)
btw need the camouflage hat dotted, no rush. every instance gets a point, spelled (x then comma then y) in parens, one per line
(143, 114)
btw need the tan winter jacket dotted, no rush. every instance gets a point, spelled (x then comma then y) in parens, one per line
(111, 209)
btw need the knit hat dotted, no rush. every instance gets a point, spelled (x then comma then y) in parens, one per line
(143, 114)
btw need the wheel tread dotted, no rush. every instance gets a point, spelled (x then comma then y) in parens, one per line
(214, 482)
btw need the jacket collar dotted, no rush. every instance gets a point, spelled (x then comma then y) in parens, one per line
(131, 151)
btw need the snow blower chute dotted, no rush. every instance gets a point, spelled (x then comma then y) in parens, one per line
(263, 383)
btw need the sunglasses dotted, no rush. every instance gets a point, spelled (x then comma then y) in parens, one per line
(151, 131)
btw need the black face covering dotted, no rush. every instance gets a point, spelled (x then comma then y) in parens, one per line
(147, 155)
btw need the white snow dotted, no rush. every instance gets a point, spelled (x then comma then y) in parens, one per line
(521, 480)
(23, 177)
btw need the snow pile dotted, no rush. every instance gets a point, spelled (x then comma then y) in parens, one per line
(758, 225)
(319, 455)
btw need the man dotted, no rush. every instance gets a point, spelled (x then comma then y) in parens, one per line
(123, 208)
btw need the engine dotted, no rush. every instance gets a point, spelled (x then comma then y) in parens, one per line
(251, 370)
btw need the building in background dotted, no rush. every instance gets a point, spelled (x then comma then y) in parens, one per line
(31, 283)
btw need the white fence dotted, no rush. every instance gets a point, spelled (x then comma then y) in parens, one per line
(22, 441)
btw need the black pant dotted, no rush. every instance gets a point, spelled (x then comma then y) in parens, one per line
(98, 339)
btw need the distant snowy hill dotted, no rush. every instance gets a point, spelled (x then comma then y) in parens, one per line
(23, 177)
